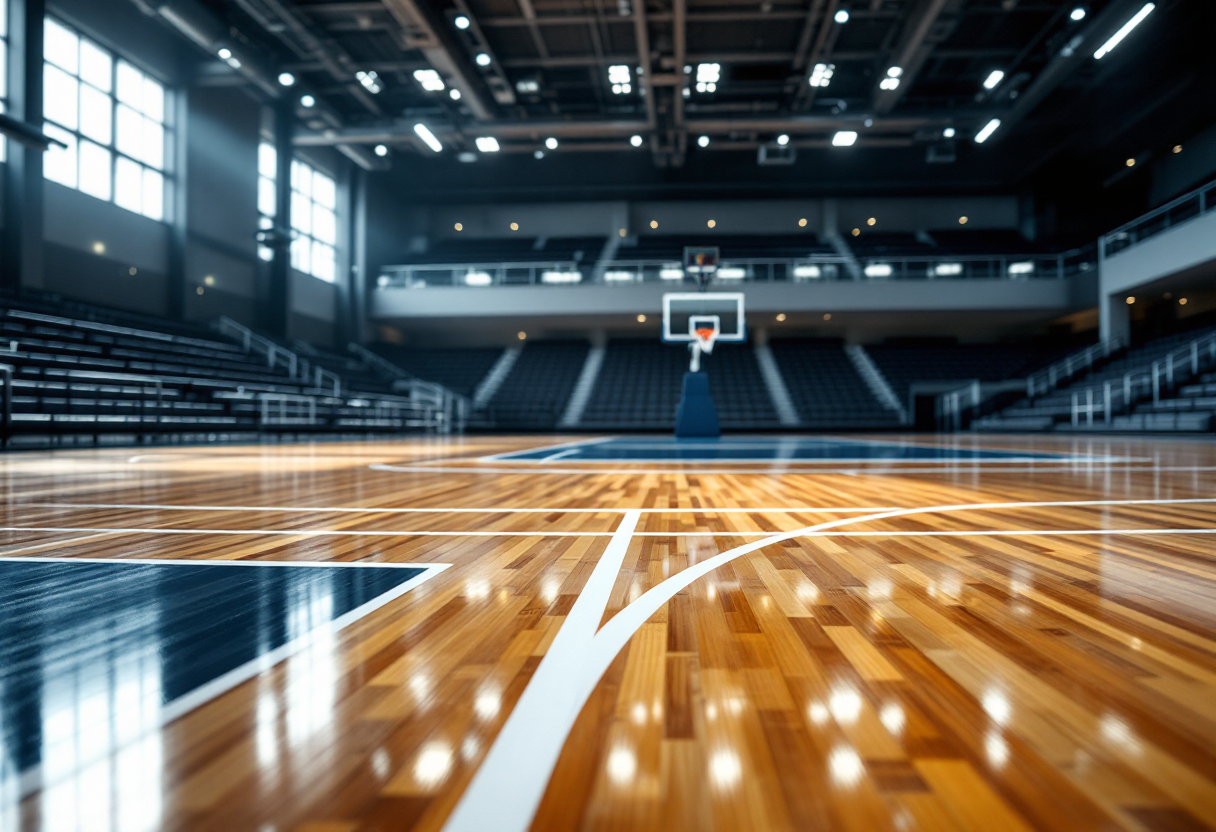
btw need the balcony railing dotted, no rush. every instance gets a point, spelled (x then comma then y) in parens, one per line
(813, 269)
(1186, 207)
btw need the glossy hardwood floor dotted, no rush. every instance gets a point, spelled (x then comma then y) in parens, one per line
(977, 645)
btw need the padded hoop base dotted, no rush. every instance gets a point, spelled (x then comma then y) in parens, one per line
(696, 415)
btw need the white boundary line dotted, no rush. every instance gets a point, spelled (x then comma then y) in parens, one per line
(31, 779)
(578, 443)
(507, 788)
(496, 510)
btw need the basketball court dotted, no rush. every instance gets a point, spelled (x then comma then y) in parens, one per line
(613, 632)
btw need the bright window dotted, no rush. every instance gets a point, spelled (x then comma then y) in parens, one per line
(314, 202)
(111, 116)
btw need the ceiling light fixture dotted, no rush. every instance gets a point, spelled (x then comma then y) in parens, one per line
(307, 101)
(461, 22)
(620, 79)
(225, 53)
(1077, 14)
(370, 81)
(783, 139)
(424, 133)
(987, 131)
(636, 141)
(429, 80)
(948, 133)
(487, 144)
(842, 16)
(551, 143)
(381, 150)
(482, 59)
(286, 79)
(454, 93)
(1124, 31)
(708, 76)
(844, 138)
(821, 75)
(995, 77)
(703, 141)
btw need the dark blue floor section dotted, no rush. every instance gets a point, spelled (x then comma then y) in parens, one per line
(729, 449)
(120, 639)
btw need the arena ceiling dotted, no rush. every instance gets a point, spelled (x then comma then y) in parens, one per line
(745, 95)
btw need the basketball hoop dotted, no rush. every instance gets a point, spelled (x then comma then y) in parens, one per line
(706, 338)
(704, 330)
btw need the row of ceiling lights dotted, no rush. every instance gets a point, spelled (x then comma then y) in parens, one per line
(654, 224)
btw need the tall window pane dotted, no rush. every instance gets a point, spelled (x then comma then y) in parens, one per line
(112, 115)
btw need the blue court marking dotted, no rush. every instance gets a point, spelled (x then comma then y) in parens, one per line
(772, 449)
(114, 649)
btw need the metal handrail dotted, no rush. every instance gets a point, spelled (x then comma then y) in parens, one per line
(297, 368)
(1050, 377)
(1127, 235)
(285, 404)
(377, 362)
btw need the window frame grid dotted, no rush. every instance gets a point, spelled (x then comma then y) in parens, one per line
(268, 178)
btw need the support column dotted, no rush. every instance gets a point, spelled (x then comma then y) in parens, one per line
(21, 258)
(275, 311)
(353, 324)
(1114, 316)
(179, 236)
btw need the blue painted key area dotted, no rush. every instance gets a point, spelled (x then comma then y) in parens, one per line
(762, 449)
(100, 649)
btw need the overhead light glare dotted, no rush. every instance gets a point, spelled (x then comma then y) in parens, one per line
(671, 273)
(1124, 31)
(821, 75)
(709, 73)
(636, 141)
(551, 143)
(482, 59)
(454, 93)
(888, 84)
(895, 71)
(995, 77)
(783, 139)
(538, 154)
(948, 269)
(307, 101)
(478, 279)
(844, 138)
(561, 277)
(487, 144)
(370, 81)
(807, 272)
(286, 79)
(948, 133)
(842, 16)
(423, 132)
(527, 86)
(703, 141)
(461, 22)
(1025, 267)
(731, 273)
(987, 131)
(878, 270)
(381, 150)
(224, 53)
(429, 80)
(1077, 14)
(620, 276)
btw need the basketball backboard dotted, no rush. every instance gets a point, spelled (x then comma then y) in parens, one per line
(685, 313)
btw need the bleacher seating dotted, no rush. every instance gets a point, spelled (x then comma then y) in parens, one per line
(535, 392)
(86, 370)
(513, 249)
(739, 246)
(826, 389)
(905, 362)
(1188, 408)
(460, 369)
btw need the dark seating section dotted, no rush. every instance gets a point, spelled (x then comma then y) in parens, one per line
(639, 387)
(459, 369)
(81, 369)
(889, 244)
(988, 242)
(1054, 409)
(905, 362)
(534, 394)
(671, 247)
(826, 388)
(513, 249)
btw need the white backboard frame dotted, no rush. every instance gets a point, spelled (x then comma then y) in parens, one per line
(737, 298)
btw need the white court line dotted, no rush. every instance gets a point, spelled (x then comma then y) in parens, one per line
(496, 510)
(31, 779)
(560, 534)
(580, 443)
(505, 796)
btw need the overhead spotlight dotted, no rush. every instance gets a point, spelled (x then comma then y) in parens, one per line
(424, 133)
(1177, 148)
(428, 79)
(802, 223)
(654, 223)
(381, 150)
(780, 317)
(888, 84)
(842, 16)
(461, 22)
(872, 221)
(286, 79)
(482, 59)
(783, 140)
(636, 141)
(538, 154)
(551, 143)
(1130, 300)
(307, 101)
(527, 86)
(514, 226)
(454, 93)
(987, 130)
(703, 141)
(948, 133)
(225, 53)
(1077, 14)
(370, 80)
(844, 138)
(1124, 31)
(487, 144)
(1131, 163)
(895, 71)
(962, 220)
(995, 77)
(620, 78)
(712, 223)
(821, 75)
(708, 76)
